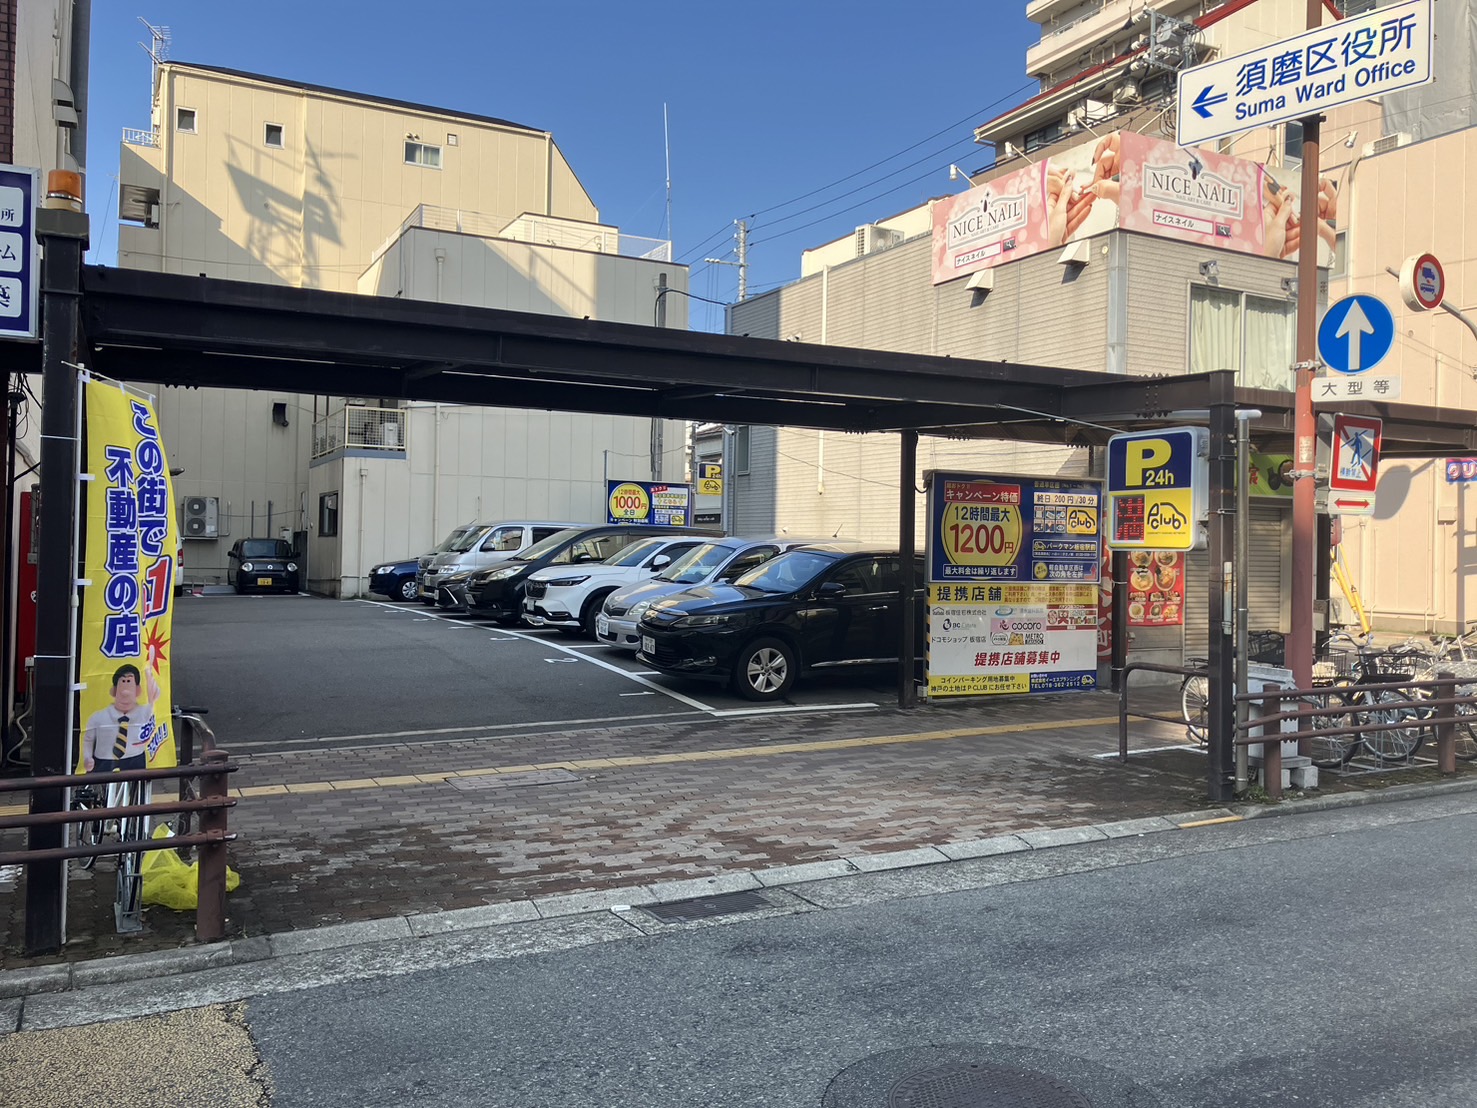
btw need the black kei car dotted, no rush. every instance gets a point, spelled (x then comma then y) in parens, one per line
(262, 565)
(498, 592)
(805, 609)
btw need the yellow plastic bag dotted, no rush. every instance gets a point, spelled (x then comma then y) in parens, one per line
(172, 882)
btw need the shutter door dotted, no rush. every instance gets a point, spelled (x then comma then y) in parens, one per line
(1270, 550)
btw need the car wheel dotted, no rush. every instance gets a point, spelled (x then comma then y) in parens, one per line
(408, 589)
(764, 669)
(591, 614)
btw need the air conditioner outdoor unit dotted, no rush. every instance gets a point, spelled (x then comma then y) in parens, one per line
(1126, 93)
(201, 517)
(870, 238)
(1387, 142)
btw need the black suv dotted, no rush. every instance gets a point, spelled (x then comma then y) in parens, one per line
(498, 592)
(805, 609)
(261, 564)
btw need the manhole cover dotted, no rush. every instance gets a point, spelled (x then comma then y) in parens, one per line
(511, 780)
(704, 907)
(980, 1085)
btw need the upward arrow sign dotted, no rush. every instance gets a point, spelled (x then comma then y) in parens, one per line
(1354, 327)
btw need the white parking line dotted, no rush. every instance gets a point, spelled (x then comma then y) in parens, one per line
(394, 736)
(652, 685)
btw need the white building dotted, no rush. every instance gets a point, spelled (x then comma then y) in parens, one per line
(246, 177)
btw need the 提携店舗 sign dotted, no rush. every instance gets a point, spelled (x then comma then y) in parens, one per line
(131, 543)
(648, 503)
(1013, 571)
(1158, 489)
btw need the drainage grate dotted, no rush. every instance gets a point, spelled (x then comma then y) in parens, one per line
(705, 907)
(979, 1085)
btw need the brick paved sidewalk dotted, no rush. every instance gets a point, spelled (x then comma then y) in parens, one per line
(342, 835)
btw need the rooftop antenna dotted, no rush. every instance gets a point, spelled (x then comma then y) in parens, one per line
(667, 143)
(157, 49)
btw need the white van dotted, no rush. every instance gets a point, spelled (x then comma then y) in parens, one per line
(473, 546)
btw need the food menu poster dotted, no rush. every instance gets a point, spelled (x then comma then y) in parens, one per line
(1156, 588)
(1016, 529)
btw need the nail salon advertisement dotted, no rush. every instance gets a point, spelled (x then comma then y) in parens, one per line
(1132, 182)
(1014, 564)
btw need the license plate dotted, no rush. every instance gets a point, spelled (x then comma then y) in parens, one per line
(528, 606)
(602, 626)
(264, 582)
(648, 644)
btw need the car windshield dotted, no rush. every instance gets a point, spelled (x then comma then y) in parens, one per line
(461, 540)
(786, 572)
(264, 548)
(549, 546)
(636, 553)
(697, 564)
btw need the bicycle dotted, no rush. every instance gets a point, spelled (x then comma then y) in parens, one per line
(188, 724)
(1262, 646)
(1362, 664)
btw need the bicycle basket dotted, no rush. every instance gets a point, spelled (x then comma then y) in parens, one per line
(1267, 647)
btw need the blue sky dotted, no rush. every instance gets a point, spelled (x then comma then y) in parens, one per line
(812, 116)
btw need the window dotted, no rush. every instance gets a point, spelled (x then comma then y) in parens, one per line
(741, 450)
(1252, 335)
(860, 578)
(541, 533)
(419, 153)
(1043, 136)
(1340, 265)
(503, 538)
(272, 135)
(1292, 143)
(328, 515)
(748, 560)
(1357, 7)
(184, 120)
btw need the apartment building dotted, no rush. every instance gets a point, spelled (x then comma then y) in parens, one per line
(1122, 295)
(255, 178)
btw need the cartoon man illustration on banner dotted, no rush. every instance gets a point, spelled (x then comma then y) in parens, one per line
(117, 737)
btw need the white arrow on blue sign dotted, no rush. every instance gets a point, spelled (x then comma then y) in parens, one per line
(1356, 334)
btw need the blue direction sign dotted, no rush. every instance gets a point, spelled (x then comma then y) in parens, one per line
(20, 275)
(1362, 57)
(1356, 333)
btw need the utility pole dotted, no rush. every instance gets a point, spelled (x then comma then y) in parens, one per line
(1305, 420)
(741, 237)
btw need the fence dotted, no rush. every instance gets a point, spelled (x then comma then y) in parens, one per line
(359, 427)
(210, 915)
(132, 136)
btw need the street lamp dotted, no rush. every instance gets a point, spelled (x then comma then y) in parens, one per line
(955, 173)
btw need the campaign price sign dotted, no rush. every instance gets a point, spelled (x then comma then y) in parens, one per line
(1012, 528)
(648, 503)
(1355, 470)
(1158, 489)
(1358, 58)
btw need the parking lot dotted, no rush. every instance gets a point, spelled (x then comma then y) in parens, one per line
(282, 673)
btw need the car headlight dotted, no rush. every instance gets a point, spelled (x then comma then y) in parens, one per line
(377, 571)
(292, 568)
(495, 575)
(717, 619)
(566, 582)
(638, 609)
(246, 567)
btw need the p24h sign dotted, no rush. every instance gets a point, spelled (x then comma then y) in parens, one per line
(1158, 489)
(1365, 56)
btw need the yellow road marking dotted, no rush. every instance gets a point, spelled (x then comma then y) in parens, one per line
(1208, 822)
(765, 751)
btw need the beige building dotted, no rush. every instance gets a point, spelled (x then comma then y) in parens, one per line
(1136, 303)
(253, 178)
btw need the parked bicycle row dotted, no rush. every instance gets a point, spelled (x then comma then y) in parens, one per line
(1347, 676)
(755, 612)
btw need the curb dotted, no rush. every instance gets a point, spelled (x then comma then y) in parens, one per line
(19, 983)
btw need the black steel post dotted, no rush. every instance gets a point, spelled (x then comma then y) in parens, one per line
(1222, 722)
(9, 572)
(1120, 616)
(907, 690)
(63, 236)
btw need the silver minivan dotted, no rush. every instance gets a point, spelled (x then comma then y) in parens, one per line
(474, 546)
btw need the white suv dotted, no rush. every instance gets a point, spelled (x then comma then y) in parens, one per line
(476, 546)
(570, 596)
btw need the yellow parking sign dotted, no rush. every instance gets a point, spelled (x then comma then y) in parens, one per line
(710, 486)
(1158, 489)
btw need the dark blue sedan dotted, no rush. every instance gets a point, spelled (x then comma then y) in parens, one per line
(394, 579)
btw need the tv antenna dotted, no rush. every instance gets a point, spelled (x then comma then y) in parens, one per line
(157, 48)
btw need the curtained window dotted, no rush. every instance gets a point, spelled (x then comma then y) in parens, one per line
(1252, 335)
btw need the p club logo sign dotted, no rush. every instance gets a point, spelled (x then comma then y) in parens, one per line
(1158, 489)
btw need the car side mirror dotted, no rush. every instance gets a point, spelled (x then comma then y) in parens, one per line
(661, 561)
(830, 590)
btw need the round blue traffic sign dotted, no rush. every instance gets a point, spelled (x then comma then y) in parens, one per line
(1356, 334)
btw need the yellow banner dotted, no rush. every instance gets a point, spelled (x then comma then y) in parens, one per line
(132, 542)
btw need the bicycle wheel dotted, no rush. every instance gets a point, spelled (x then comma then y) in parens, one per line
(1399, 744)
(1466, 730)
(1328, 751)
(1195, 707)
(85, 798)
(130, 866)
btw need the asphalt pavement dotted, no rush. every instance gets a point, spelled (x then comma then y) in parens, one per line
(1315, 959)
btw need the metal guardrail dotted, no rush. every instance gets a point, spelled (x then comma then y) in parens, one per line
(1123, 709)
(359, 427)
(133, 136)
(210, 914)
